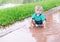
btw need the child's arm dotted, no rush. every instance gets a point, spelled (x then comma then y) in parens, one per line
(44, 24)
(32, 23)
(44, 20)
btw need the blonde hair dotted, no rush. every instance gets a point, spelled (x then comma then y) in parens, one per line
(39, 7)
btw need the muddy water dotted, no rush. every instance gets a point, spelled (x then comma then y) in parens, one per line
(52, 31)
(25, 34)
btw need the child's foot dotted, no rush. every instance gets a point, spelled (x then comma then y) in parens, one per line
(36, 26)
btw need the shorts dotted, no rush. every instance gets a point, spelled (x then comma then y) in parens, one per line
(39, 22)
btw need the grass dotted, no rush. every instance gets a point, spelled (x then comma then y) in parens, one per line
(11, 15)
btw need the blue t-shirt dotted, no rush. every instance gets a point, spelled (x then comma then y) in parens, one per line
(41, 17)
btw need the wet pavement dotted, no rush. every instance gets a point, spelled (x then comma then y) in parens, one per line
(25, 34)
(52, 31)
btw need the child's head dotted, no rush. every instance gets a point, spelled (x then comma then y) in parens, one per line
(38, 9)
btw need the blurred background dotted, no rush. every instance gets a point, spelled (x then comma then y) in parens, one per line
(18, 1)
(16, 10)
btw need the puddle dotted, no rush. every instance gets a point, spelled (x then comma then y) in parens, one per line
(53, 38)
(26, 34)
(48, 34)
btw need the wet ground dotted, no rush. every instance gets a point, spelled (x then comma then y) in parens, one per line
(25, 34)
(52, 31)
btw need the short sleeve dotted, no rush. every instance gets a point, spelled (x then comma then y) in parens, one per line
(33, 16)
(43, 17)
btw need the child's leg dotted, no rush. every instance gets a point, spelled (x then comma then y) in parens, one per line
(32, 23)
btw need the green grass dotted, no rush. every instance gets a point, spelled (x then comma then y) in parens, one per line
(11, 15)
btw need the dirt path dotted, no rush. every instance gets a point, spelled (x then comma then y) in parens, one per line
(22, 32)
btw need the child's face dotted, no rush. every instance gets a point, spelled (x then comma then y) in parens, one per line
(38, 10)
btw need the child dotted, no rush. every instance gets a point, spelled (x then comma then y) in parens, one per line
(38, 18)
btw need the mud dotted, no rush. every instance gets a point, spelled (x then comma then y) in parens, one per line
(52, 31)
